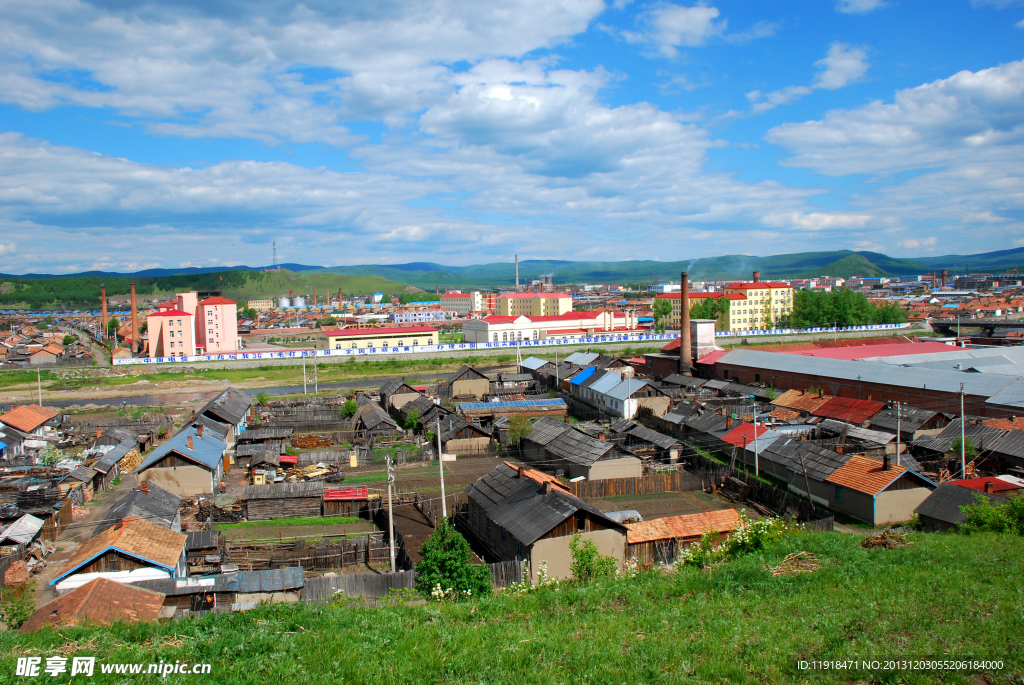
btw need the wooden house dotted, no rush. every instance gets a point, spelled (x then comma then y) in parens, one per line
(283, 500)
(660, 540)
(98, 602)
(556, 447)
(190, 463)
(516, 513)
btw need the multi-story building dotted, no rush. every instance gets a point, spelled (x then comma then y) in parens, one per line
(753, 305)
(533, 304)
(260, 305)
(570, 326)
(421, 315)
(217, 325)
(171, 333)
(461, 303)
(375, 338)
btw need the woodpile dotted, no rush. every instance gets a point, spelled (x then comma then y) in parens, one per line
(795, 563)
(325, 472)
(307, 442)
(887, 539)
(210, 511)
(130, 461)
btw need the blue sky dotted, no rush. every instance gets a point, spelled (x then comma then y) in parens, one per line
(193, 132)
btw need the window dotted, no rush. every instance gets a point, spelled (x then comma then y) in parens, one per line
(504, 336)
(211, 331)
(839, 494)
(401, 344)
(181, 344)
(415, 342)
(757, 378)
(355, 346)
(179, 322)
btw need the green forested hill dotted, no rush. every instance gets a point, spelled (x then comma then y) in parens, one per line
(84, 291)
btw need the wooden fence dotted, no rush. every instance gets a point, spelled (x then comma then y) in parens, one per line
(504, 573)
(54, 524)
(427, 508)
(669, 481)
(331, 553)
(370, 585)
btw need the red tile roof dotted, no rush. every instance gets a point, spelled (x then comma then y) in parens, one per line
(27, 417)
(701, 296)
(217, 300)
(682, 527)
(711, 357)
(101, 602)
(1013, 424)
(538, 476)
(867, 351)
(849, 410)
(170, 313)
(864, 474)
(759, 284)
(378, 332)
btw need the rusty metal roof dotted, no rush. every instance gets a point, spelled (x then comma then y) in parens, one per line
(682, 527)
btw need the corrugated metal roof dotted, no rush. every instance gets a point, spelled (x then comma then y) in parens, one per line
(521, 404)
(1011, 444)
(980, 435)
(978, 385)
(945, 502)
(206, 450)
(856, 432)
(1010, 396)
(799, 456)
(583, 375)
(534, 363)
(911, 418)
(582, 358)
(626, 388)
(606, 382)
(654, 437)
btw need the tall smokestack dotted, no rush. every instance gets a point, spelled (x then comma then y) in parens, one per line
(517, 272)
(314, 297)
(685, 355)
(757, 277)
(945, 275)
(135, 323)
(103, 311)
(339, 298)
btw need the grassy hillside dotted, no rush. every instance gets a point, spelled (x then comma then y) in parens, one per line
(84, 291)
(944, 596)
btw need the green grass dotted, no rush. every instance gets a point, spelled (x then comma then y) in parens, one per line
(278, 523)
(945, 596)
(383, 476)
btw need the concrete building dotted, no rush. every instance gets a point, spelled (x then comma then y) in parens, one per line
(217, 325)
(753, 305)
(463, 304)
(171, 333)
(187, 302)
(569, 326)
(675, 298)
(421, 316)
(260, 305)
(373, 338)
(533, 304)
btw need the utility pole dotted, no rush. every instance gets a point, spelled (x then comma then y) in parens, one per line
(899, 416)
(303, 375)
(753, 411)
(440, 464)
(807, 483)
(963, 444)
(391, 519)
(39, 380)
(316, 378)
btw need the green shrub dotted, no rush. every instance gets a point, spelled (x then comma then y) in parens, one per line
(748, 537)
(999, 518)
(588, 564)
(17, 604)
(445, 572)
(349, 409)
(263, 398)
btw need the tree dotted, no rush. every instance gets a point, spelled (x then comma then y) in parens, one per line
(970, 451)
(263, 398)
(328, 321)
(446, 563)
(349, 409)
(662, 310)
(842, 307)
(982, 515)
(716, 308)
(588, 564)
(112, 325)
(69, 340)
(50, 456)
(518, 428)
(413, 421)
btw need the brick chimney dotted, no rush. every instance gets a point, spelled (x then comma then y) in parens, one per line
(757, 277)
(189, 442)
(728, 422)
(989, 487)
(136, 343)
(103, 311)
(99, 433)
(685, 354)
(199, 431)
(144, 486)
(885, 462)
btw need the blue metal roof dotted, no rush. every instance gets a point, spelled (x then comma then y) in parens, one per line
(583, 375)
(521, 403)
(207, 450)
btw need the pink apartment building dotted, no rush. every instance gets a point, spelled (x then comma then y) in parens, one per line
(216, 325)
(170, 333)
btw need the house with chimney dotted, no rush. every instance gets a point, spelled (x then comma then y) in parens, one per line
(190, 463)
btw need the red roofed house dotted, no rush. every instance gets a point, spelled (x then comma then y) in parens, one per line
(171, 334)
(98, 602)
(660, 540)
(217, 325)
(878, 492)
(377, 338)
(571, 326)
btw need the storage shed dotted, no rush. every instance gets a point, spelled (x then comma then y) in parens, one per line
(283, 500)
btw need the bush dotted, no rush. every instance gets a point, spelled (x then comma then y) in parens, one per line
(349, 409)
(588, 564)
(519, 427)
(69, 339)
(999, 518)
(748, 537)
(445, 570)
(17, 604)
(263, 398)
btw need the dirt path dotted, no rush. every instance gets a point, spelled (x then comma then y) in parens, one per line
(414, 528)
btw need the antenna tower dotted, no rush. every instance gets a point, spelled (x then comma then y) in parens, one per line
(277, 267)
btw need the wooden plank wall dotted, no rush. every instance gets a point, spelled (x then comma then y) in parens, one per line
(668, 481)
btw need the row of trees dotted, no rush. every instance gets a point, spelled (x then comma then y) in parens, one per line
(842, 307)
(42, 293)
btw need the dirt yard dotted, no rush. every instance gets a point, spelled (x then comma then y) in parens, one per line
(664, 504)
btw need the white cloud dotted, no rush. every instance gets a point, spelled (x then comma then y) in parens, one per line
(7, 249)
(961, 139)
(858, 6)
(914, 243)
(1020, 24)
(667, 27)
(290, 72)
(843, 65)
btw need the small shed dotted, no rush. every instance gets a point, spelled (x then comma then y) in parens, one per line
(283, 500)
(98, 602)
(660, 540)
(941, 510)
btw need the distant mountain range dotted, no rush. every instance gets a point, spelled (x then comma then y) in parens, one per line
(428, 275)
